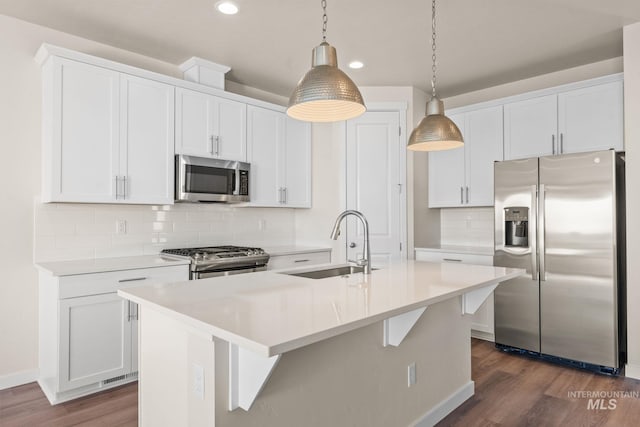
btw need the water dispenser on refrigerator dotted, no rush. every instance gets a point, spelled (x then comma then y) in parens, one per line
(516, 226)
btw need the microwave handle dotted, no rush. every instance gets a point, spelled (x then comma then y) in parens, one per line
(236, 182)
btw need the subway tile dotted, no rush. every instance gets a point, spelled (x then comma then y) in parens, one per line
(82, 241)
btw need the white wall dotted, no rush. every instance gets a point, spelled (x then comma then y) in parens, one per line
(64, 231)
(632, 148)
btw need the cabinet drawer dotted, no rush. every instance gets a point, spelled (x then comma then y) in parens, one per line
(454, 257)
(299, 260)
(101, 283)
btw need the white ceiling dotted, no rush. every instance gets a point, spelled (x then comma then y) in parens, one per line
(268, 43)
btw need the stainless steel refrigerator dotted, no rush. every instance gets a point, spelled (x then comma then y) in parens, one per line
(562, 219)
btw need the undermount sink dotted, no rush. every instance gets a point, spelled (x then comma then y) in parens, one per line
(324, 272)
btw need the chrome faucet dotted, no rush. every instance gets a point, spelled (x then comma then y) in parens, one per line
(365, 261)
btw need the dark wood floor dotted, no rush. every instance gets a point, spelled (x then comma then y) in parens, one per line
(510, 391)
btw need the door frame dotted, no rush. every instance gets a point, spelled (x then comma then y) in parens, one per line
(401, 109)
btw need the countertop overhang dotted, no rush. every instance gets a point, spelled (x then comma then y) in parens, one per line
(271, 313)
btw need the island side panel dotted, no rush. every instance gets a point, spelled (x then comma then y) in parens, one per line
(351, 379)
(170, 355)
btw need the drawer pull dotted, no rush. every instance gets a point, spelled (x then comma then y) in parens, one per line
(135, 279)
(451, 260)
(302, 260)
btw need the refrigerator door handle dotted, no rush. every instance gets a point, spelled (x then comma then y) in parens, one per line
(532, 233)
(541, 232)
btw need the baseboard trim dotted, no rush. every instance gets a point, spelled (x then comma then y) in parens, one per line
(444, 408)
(18, 378)
(487, 336)
(632, 371)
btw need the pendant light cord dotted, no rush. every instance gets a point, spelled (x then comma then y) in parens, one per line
(433, 48)
(324, 20)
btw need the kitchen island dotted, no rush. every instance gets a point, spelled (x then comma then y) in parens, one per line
(272, 349)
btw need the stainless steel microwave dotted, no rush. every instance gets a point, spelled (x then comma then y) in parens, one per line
(199, 179)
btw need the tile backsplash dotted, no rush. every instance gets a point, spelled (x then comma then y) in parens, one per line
(76, 231)
(467, 227)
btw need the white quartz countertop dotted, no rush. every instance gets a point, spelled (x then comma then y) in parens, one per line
(271, 313)
(101, 265)
(293, 250)
(472, 250)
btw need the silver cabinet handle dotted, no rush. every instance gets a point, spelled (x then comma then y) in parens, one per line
(135, 279)
(128, 311)
(280, 195)
(541, 227)
(461, 194)
(125, 184)
(561, 143)
(217, 145)
(553, 144)
(532, 233)
(467, 195)
(451, 260)
(284, 192)
(211, 144)
(117, 185)
(352, 245)
(301, 260)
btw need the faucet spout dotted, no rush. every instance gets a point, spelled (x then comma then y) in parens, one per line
(366, 253)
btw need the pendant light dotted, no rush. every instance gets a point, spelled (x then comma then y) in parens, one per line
(325, 93)
(435, 131)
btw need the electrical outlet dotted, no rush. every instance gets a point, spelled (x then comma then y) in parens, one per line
(198, 381)
(411, 374)
(121, 226)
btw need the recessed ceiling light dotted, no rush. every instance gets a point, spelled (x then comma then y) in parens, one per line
(356, 65)
(227, 7)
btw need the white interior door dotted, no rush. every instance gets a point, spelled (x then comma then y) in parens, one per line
(374, 185)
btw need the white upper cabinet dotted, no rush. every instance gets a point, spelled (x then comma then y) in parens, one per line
(80, 132)
(107, 136)
(591, 118)
(210, 126)
(146, 140)
(587, 118)
(446, 172)
(464, 176)
(484, 147)
(265, 135)
(531, 127)
(296, 178)
(279, 150)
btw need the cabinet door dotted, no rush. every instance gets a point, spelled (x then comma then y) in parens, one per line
(591, 118)
(296, 177)
(95, 340)
(230, 130)
(483, 147)
(265, 139)
(82, 113)
(147, 136)
(530, 128)
(194, 121)
(446, 173)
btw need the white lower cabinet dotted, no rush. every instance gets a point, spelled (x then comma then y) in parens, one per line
(301, 259)
(88, 334)
(482, 323)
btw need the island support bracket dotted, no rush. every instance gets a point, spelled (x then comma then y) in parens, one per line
(397, 327)
(472, 300)
(248, 373)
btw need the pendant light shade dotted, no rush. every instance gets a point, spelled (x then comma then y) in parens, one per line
(435, 131)
(325, 93)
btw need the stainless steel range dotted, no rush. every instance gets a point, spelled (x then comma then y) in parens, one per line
(221, 260)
